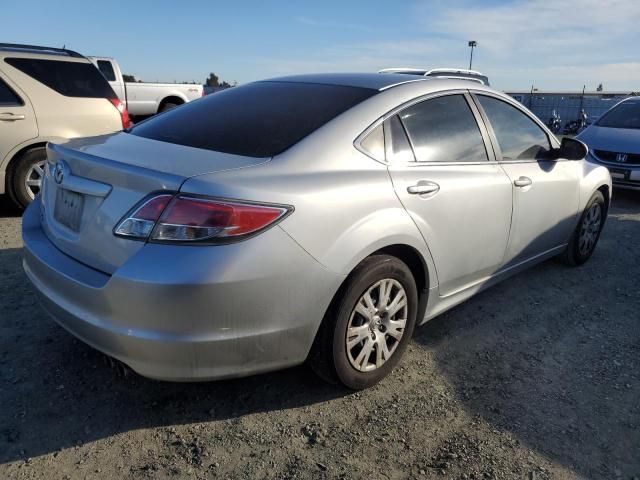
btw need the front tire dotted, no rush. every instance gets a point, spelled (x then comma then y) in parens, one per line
(369, 325)
(26, 176)
(586, 235)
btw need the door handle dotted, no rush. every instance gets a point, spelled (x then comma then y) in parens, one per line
(10, 117)
(422, 188)
(522, 182)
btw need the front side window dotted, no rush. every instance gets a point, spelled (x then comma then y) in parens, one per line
(8, 98)
(519, 137)
(71, 79)
(625, 115)
(106, 69)
(443, 129)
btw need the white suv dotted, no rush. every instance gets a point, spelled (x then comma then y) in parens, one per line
(48, 95)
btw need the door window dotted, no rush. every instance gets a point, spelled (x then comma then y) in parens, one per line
(8, 98)
(397, 144)
(444, 129)
(519, 137)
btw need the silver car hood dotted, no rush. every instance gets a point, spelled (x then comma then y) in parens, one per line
(625, 140)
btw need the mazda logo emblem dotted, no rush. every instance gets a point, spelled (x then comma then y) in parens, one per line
(59, 172)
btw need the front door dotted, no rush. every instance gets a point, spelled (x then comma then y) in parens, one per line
(545, 191)
(459, 198)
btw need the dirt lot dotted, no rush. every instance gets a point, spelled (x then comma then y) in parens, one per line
(537, 378)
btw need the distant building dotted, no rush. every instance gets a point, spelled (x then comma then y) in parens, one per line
(567, 104)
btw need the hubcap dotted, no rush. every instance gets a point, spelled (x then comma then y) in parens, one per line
(33, 179)
(376, 325)
(590, 229)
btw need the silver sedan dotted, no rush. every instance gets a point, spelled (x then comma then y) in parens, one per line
(317, 217)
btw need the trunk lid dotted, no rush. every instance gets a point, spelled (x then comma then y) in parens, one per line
(90, 184)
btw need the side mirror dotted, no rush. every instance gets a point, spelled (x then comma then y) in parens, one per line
(572, 149)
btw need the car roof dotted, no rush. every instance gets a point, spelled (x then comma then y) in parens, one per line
(373, 81)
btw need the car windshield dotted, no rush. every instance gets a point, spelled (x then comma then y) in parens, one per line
(625, 115)
(259, 119)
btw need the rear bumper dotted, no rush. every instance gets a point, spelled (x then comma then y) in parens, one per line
(188, 313)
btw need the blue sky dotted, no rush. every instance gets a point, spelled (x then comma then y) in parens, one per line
(551, 44)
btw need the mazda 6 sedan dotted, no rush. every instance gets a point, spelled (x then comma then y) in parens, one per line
(317, 217)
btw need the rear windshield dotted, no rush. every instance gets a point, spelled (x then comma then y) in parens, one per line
(625, 115)
(260, 119)
(71, 79)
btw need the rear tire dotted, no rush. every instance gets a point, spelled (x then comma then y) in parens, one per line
(587, 233)
(364, 333)
(26, 175)
(168, 106)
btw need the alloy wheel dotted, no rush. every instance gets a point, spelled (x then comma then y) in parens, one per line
(33, 179)
(590, 229)
(376, 325)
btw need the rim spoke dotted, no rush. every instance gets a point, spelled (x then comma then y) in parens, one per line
(363, 357)
(380, 359)
(398, 302)
(362, 309)
(385, 292)
(355, 335)
(34, 183)
(38, 169)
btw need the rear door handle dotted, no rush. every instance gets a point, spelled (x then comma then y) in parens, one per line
(522, 182)
(423, 188)
(10, 117)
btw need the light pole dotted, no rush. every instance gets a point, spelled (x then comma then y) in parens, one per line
(472, 44)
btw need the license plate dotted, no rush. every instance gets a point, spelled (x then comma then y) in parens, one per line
(68, 208)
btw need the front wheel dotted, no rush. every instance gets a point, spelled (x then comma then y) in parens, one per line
(369, 326)
(586, 235)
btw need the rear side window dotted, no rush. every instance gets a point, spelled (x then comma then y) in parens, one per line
(71, 79)
(398, 146)
(106, 69)
(259, 119)
(8, 97)
(519, 137)
(444, 129)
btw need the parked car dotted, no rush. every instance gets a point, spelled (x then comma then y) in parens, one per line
(614, 141)
(453, 73)
(313, 216)
(47, 94)
(145, 98)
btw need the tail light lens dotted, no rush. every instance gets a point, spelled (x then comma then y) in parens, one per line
(124, 114)
(184, 219)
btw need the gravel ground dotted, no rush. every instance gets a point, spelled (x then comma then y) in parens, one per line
(536, 378)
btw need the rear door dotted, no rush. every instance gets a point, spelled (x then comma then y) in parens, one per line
(446, 178)
(17, 119)
(545, 190)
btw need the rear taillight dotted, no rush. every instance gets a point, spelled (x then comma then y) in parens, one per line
(124, 114)
(184, 219)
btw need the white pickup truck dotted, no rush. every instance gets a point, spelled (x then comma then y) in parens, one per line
(145, 98)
